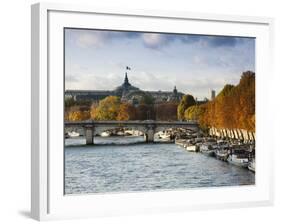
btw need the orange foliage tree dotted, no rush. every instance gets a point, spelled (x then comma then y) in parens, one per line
(145, 112)
(126, 112)
(166, 111)
(78, 115)
(234, 107)
(107, 109)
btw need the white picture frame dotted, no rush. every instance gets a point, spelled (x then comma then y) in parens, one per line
(47, 198)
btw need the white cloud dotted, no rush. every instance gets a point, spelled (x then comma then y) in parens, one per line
(153, 40)
(194, 64)
(198, 59)
(151, 81)
(94, 81)
(71, 79)
(200, 84)
(91, 39)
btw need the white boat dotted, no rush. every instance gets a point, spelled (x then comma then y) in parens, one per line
(252, 165)
(198, 140)
(105, 134)
(128, 132)
(73, 134)
(238, 159)
(207, 149)
(137, 133)
(180, 142)
(191, 147)
(120, 133)
(222, 151)
(164, 135)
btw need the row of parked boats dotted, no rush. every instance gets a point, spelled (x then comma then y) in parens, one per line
(236, 153)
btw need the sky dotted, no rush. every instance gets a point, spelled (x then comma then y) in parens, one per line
(195, 64)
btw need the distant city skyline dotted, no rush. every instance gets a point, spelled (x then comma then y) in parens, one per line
(195, 64)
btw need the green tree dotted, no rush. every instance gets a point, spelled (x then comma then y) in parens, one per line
(193, 112)
(69, 102)
(186, 102)
(147, 99)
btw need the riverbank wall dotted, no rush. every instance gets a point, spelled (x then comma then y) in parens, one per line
(240, 134)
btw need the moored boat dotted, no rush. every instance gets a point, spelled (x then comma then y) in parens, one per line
(207, 149)
(222, 153)
(191, 147)
(238, 157)
(120, 133)
(252, 165)
(128, 132)
(222, 150)
(73, 134)
(180, 142)
(164, 135)
(105, 134)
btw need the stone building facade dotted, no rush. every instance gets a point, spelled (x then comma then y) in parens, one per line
(126, 92)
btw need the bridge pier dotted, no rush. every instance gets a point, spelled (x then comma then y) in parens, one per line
(149, 135)
(89, 134)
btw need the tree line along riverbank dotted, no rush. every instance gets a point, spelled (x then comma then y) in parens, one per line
(230, 114)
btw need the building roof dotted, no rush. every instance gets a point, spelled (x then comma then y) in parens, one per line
(91, 92)
(125, 87)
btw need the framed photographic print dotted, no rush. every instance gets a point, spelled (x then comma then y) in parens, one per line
(146, 111)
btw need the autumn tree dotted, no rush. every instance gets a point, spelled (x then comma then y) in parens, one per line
(93, 110)
(193, 112)
(223, 116)
(166, 111)
(145, 112)
(126, 112)
(78, 115)
(234, 107)
(186, 102)
(246, 101)
(107, 109)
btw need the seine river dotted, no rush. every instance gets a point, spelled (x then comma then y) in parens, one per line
(107, 167)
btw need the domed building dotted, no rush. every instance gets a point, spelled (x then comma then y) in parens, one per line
(127, 93)
(125, 88)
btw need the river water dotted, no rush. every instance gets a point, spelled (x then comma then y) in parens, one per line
(124, 167)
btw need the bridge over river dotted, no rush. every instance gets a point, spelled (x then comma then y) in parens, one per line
(148, 127)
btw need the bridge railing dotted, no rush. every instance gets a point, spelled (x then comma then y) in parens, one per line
(131, 122)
